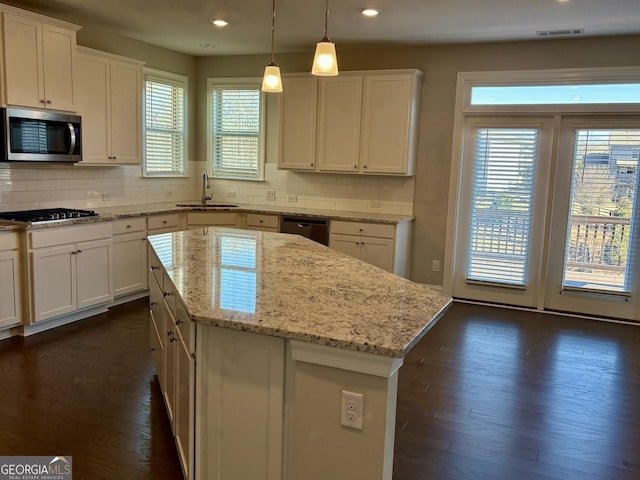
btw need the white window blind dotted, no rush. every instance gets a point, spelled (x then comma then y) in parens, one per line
(501, 210)
(603, 210)
(237, 129)
(165, 132)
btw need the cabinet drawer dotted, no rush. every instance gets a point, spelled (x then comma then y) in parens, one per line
(382, 230)
(212, 218)
(183, 322)
(262, 220)
(128, 225)
(48, 237)
(8, 241)
(163, 221)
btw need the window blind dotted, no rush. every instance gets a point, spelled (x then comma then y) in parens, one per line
(236, 125)
(603, 211)
(502, 200)
(164, 127)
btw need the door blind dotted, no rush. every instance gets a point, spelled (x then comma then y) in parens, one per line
(603, 210)
(164, 128)
(236, 133)
(502, 200)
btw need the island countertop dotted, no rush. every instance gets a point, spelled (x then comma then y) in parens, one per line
(291, 287)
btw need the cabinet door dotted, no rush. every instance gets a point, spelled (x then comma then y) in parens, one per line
(10, 291)
(387, 136)
(169, 365)
(54, 281)
(58, 52)
(339, 119)
(156, 347)
(125, 112)
(298, 112)
(95, 272)
(184, 407)
(93, 99)
(23, 61)
(345, 244)
(129, 263)
(378, 252)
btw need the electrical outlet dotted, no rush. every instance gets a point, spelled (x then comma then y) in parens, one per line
(231, 194)
(168, 193)
(292, 198)
(435, 265)
(352, 410)
(271, 195)
(107, 196)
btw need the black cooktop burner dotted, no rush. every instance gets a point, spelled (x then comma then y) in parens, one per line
(46, 215)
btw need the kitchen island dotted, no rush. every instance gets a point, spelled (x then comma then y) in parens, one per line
(260, 341)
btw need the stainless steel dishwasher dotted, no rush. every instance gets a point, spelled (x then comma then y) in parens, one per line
(317, 229)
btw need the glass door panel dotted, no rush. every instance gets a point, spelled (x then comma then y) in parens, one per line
(596, 214)
(502, 219)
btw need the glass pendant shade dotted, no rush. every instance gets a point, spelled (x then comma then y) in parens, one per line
(325, 61)
(272, 82)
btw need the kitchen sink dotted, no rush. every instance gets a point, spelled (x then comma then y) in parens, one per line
(208, 205)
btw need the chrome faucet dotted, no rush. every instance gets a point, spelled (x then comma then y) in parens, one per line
(205, 185)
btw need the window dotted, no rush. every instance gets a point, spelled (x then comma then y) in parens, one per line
(556, 94)
(165, 132)
(236, 129)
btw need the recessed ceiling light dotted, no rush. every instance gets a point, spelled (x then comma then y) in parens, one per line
(218, 22)
(207, 45)
(370, 12)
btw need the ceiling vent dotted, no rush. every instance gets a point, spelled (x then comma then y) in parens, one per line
(560, 33)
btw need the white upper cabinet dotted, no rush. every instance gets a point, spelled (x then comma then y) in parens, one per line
(365, 122)
(389, 120)
(110, 103)
(39, 63)
(339, 116)
(298, 111)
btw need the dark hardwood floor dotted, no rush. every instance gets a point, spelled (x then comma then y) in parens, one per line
(487, 394)
(88, 390)
(498, 394)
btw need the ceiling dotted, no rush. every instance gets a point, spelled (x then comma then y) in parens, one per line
(184, 26)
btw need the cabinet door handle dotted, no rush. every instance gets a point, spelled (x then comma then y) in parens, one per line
(364, 166)
(78, 251)
(153, 304)
(172, 338)
(169, 332)
(153, 349)
(153, 267)
(144, 239)
(128, 226)
(355, 166)
(166, 294)
(178, 322)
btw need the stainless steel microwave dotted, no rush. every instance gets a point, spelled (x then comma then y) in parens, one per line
(40, 136)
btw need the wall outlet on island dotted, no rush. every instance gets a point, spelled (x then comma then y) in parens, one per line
(352, 409)
(271, 194)
(292, 198)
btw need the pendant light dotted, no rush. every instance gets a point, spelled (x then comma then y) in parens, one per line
(271, 81)
(325, 62)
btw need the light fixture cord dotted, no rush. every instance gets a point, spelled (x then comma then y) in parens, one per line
(273, 31)
(326, 20)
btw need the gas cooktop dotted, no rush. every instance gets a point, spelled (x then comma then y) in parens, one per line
(46, 215)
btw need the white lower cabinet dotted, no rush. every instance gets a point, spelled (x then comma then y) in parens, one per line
(384, 245)
(130, 256)
(239, 427)
(172, 348)
(10, 279)
(68, 275)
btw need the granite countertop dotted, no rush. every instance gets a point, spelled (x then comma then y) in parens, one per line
(108, 214)
(289, 286)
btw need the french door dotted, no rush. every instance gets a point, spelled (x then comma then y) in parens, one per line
(548, 214)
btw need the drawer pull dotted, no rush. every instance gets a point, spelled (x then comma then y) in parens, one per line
(153, 349)
(166, 294)
(129, 226)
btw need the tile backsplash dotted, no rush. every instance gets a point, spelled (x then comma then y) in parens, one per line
(26, 186)
(359, 193)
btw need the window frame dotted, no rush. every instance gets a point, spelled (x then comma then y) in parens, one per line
(173, 79)
(237, 83)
